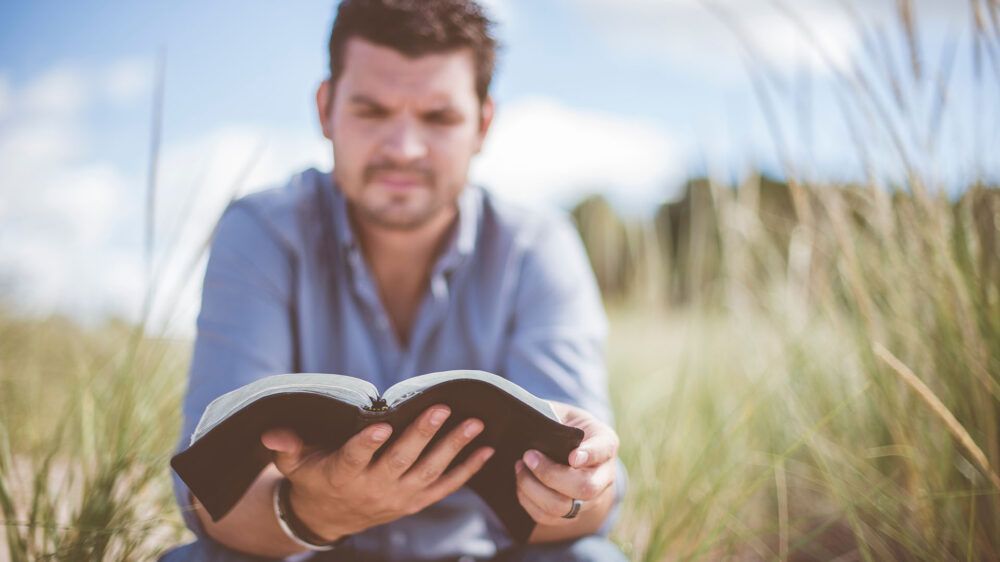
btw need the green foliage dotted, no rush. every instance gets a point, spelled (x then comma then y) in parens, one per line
(764, 424)
(822, 378)
(800, 371)
(757, 425)
(87, 422)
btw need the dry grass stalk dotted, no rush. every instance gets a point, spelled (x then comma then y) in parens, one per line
(939, 409)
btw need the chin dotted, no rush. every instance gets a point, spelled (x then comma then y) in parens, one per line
(398, 219)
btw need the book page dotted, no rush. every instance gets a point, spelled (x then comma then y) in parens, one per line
(346, 389)
(403, 390)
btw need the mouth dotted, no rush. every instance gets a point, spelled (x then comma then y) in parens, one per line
(399, 181)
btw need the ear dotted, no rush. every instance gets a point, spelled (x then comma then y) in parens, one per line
(485, 120)
(324, 104)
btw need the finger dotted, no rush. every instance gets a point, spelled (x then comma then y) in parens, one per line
(580, 483)
(550, 502)
(456, 477)
(286, 449)
(356, 453)
(599, 447)
(433, 464)
(406, 450)
(538, 514)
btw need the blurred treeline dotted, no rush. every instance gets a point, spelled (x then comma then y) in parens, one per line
(825, 383)
(677, 257)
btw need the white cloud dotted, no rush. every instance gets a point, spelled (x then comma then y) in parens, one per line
(31, 153)
(61, 91)
(59, 213)
(69, 88)
(698, 36)
(37, 267)
(5, 96)
(85, 202)
(128, 79)
(29, 146)
(72, 228)
(198, 177)
(118, 282)
(74, 241)
(540, 151)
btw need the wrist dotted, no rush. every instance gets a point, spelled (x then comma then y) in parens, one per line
(298, 530)
(318, 515)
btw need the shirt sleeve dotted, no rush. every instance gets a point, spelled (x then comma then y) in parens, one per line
(245, 327)
(559, 330)
(556, 344)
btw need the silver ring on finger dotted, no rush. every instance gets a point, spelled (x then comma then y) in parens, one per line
(574, 510)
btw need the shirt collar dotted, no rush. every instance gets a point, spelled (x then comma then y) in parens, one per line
(462, 243)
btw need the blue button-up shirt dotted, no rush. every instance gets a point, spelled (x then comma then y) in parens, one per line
(287, 290)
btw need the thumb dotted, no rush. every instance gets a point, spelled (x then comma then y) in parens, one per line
(597, 448)
(286, 448)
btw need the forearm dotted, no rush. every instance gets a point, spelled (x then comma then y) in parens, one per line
(587, 523)
(252, 526)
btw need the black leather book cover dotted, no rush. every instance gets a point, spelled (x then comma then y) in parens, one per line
(220, 465)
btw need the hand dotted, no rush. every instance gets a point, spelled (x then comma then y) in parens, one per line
(345, 492)
(546, 489)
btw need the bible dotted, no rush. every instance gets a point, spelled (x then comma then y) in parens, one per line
(225, 455)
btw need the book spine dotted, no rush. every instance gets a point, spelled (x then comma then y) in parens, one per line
(377, 405)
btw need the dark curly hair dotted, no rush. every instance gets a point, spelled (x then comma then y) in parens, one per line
(416, 28)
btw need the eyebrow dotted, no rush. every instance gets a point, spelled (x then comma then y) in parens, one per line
(363, 99)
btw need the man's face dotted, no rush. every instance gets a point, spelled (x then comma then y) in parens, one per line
(403, 132)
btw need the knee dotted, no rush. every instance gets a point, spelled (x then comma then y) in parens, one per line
(206, 550)
(587, 549)
(595, 548)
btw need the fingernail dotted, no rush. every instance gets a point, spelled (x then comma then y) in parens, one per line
(473, 428)
(438, 416)
(531, 459)
(581, 457)
(488, 454)
(380, 434)
(518, 466)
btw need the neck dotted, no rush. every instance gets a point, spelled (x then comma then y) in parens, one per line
(411, 249)
(401, 261)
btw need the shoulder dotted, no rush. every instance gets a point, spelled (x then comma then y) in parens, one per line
(542, 246)
(287, 213)
(529, 229)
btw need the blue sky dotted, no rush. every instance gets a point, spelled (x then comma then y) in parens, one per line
(623, 97)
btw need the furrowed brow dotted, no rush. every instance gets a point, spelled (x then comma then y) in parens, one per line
(361, 99)
(446, 113)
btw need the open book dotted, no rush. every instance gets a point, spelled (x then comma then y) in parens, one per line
(225, 455)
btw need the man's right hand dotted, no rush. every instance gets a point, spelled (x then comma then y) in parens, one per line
(345, 492)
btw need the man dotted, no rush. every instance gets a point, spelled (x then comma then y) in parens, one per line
(391, 268)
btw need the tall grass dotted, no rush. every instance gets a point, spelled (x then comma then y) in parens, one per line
(87, 422)
(832, 392)
(848, 407)
(814, 380)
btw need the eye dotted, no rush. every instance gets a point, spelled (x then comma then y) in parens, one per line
(371, 112)
(443, 117)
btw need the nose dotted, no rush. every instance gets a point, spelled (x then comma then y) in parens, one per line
(405, 142)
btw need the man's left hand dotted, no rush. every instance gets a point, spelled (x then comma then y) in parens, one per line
(546, 489)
